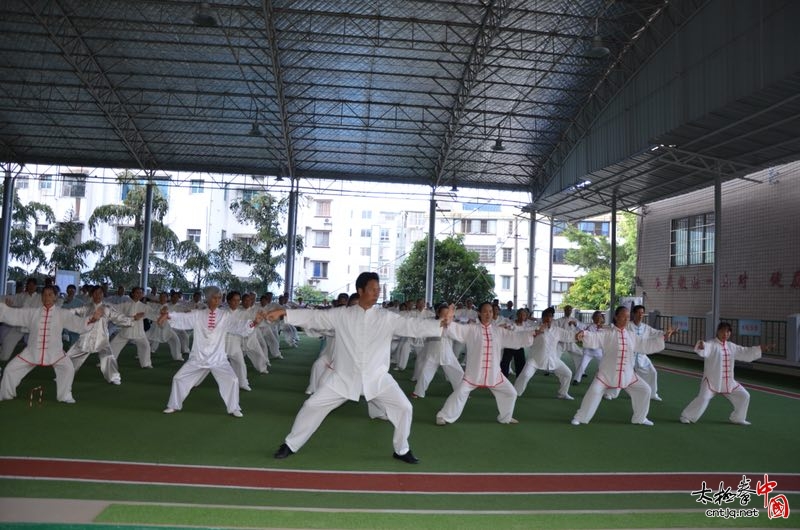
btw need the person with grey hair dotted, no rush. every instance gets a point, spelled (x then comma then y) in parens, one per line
(210, 326)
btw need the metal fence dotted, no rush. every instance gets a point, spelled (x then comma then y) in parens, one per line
(772, 332)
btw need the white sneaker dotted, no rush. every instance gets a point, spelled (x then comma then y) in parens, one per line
(440, 421)
(237, 414)
(169, 410)
(743, 422)
(609, 398)
(116, 382)
(566, 396)
(70, 400)
(513, 421)
(685, 420)
(246, 388)
(575, 422)
(647, 422)
(656, 397)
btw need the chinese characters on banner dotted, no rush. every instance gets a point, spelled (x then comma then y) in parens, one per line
(776, 280)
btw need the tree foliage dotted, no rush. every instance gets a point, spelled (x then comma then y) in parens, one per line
(120, 263)
(67, 254)
(457, 273)
(310, 294)
(593, 254)
(267, 249)
(25, 245)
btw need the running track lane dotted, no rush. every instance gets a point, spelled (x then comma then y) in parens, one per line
(272, 479)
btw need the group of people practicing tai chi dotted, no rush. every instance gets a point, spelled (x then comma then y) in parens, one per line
(356, 359)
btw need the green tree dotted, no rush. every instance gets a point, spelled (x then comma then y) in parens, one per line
(457, 273)
(24, 245)
(67, 254)
(120, 262)
(310, 294)
(205, 268)
(266, 251)
(593, 255)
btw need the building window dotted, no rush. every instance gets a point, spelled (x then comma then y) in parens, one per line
(478, 226)
(366, 232)
(560, 255)
(505, 282)
(559, 227)
(193, 234)
(692, 240)
(322, 238)
(319, 269)
(249, 194)
(598, 228)
(365, 251)
(507, 254)
(366, 214)
(247, 240)
(46, 183)
(41, 228)
(388, 216)
(73, 187)
(323, 209)
(561, 287)
(485, 253)
(417, 218)
(384, 234)
(22, 184)
(197, 186)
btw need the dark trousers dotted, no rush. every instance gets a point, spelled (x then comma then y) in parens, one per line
(519, 361)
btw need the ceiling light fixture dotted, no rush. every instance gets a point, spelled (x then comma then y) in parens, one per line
(279, 179)
(454, 189)
(598, 49)
(204, 18)
(498, 145)
(255, 130)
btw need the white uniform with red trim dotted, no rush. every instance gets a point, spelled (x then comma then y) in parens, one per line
(545, 354)
(485, 345)
(45, 326)
(360, 367)
(718, 379)
(616, 370)
(208, 355)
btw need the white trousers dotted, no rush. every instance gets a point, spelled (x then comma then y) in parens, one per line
(174, 344)
(643, 368)
(392, 401)
(108, 364)
(319, 370)
(453, 372)
(739, 398)
(638, 391)
(271, 339)
(256, 351)
(561, 370)
(142, 349)
(191, 374)
(183, 337)
(403, 353)
(17, 369)
(504, 394)
(236, 358)
(585, 360)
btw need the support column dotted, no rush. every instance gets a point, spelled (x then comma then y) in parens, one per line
(431, 250)
(612, 296)
(550, 266)
(532, 261)
(5, 234)
(516, 263)
(714, 315)
(147, 234)
(291, 241)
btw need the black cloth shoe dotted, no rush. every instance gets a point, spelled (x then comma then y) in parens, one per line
(408, 458)
(283, 452)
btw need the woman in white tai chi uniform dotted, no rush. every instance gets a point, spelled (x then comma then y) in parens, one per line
(720, 356)
(360, 364)
(485, 342)
(210, 327)
(45, 325)
(438, 351)
(546, 355)
(616, 367)
(96, 338)
(598, 323)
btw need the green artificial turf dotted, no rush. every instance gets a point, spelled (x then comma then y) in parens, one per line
(125, 423)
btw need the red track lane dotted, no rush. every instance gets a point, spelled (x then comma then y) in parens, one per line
(383, 482)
